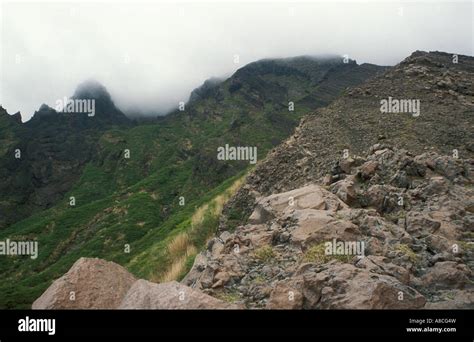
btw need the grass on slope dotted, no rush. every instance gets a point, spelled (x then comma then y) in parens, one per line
(178, 250)
(98, 230)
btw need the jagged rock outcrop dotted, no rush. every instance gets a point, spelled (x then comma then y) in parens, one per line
(413, 214)
(93, 283)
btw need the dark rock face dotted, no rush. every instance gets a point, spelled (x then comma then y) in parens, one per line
(208, 89)
(54, 148)
(104, 106)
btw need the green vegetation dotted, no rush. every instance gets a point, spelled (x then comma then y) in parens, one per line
(466, 246)
(317, 254)
(264, 254)
(407, 251)
(228, 296)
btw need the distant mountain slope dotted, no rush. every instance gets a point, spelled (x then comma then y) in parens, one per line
(136, 201)
(252, 107)
(54, 149)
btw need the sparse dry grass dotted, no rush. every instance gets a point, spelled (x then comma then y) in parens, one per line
(406, 250)
(264, 254)
(198, 216)
(180, 247)
(317, 254)
(216, 204)
(175, 270)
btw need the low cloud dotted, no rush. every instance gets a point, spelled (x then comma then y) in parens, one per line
(151, 56)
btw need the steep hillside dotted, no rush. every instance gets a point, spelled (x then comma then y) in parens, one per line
(140, 187)
(399, 182)
(354, 122)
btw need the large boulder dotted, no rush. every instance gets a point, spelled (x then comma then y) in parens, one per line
(344, 286)
(93, 283)
(308, 197)
(172, 295)
(90, 283)
(447, 275)
(318, 226)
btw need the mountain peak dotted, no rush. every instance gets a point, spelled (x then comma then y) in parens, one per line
(13, 117)
(104, 105)
(92, 89)
(44, 111)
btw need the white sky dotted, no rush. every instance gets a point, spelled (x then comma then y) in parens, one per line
(152, 55)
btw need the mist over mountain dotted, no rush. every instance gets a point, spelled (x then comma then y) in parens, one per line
(151, 56)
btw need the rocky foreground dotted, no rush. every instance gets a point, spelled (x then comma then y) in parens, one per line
(413, 214)
(93, 283)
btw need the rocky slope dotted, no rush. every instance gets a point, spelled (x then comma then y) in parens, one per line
(354, 122)
(410, 198)
(414, 214)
